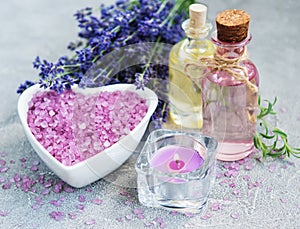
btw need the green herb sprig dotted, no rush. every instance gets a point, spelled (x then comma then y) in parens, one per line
(272, 141)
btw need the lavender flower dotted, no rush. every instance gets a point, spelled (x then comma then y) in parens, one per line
(125, 23)
(24, 86)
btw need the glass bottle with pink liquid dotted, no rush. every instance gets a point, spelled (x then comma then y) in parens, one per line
(230, 88)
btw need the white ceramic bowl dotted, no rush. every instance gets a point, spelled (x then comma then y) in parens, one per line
(104, 162)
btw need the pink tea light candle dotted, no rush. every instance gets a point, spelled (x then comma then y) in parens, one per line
(175, 170)
(176, 159)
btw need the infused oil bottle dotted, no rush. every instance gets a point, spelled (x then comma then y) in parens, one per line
(184, 86)
(230, 88)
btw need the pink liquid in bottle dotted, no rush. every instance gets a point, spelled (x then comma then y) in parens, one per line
(230, 105)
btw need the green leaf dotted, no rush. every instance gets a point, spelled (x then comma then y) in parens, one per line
(264, 111)
(185, 5)
(295, 152)
(270, 107)
(297, 156)
(255, 140)
(272, 154)
(275, 100)
(264, 146)
(280, 132)
(273, 147)
(265, 153)
(288, 152)
(266, 136)
(265, 125)
(279, 149)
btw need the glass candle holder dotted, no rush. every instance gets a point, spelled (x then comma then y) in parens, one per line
(176, 170)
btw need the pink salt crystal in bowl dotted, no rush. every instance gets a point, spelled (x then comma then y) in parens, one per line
(105, 161)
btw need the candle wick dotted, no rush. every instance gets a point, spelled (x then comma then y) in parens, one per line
(176, 157)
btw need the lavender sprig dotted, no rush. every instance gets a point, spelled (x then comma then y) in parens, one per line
(127, 22)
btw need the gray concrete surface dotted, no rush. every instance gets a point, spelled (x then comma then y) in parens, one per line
(30, 28)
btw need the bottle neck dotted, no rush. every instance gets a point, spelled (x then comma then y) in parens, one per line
(196, 41)
(230, 50)
(196, 34)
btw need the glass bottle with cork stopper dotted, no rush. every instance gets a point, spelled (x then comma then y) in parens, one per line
(230, 88)
(185, 89)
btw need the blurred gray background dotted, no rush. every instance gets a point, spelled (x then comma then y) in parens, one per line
(30, 28)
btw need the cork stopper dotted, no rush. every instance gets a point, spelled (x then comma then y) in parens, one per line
(197, 16)
(232, 25)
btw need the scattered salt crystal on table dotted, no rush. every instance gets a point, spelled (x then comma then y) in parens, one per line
(246, 177)
(57, 215)
(81, 198)
(216, 206)
(234, 215)
(72, 215)
(2, 162)
(90, 222)
(205, 217)
(3, 213)
(97, 201)
(283, 200)
(74, 127)
(269, 189)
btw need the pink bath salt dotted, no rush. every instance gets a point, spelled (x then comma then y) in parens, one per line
(97, 201)
(74, 127)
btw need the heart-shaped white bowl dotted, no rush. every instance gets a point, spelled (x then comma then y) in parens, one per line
(104, 162)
